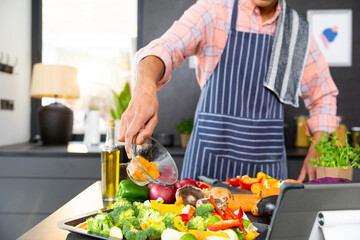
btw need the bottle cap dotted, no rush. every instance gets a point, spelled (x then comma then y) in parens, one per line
(355, 129)
(111, 123)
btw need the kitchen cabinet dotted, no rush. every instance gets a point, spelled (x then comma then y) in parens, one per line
(36, 180)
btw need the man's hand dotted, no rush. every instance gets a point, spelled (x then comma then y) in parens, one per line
(143, 109)
(308, 169)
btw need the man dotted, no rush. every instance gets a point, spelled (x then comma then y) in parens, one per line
(253, 57)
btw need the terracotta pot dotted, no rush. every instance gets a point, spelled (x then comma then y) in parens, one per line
(335, 172)
(184, 139)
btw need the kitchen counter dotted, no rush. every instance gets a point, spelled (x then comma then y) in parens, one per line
(90, 200)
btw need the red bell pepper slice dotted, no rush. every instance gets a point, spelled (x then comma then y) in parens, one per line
(233, 182)
(187, 216)
(239, 217)
(184, 217)
(230, 213)
(246, 183)
(191, 213)
(240, 213)
(222, 225)
(198, 184)
(217, 210)
(227, 216)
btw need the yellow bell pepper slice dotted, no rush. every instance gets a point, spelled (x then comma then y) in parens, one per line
(167, 208)
(210, 234)
(177, 225)
(251, 235)
(150, 220)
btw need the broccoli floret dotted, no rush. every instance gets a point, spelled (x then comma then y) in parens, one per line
(197, 223)
(121, 212)
(204, 211)
(132, 233)
(155, 230)
(101, 223)
(148, 212)
(121, 202)
(169, 221)
(130, 220)
(137, 207)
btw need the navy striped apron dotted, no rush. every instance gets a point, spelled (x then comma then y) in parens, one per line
(238, 125)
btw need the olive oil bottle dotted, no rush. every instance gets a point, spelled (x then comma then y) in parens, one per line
(110, 156)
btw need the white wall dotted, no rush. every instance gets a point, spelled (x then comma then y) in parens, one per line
(15, 40)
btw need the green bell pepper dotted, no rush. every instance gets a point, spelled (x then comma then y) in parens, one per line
(132, 192)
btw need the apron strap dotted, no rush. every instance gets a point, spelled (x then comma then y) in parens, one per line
(234, 15)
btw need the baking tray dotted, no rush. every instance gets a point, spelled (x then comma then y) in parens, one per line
(69, 225)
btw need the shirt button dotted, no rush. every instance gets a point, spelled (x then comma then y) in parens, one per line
(249, 11)
(257, 11)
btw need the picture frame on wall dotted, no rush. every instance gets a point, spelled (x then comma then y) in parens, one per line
(332, 30)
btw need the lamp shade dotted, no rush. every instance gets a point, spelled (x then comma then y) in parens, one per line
(54, 81)
(55, 121)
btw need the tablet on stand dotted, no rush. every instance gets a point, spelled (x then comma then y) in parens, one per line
(298, 207)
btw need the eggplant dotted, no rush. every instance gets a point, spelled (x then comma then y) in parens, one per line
(266, 206)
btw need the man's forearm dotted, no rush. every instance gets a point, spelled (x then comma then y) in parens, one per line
(149, 71)
(316, 138)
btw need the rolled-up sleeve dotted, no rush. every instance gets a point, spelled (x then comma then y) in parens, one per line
(183, 39)
(319, 92)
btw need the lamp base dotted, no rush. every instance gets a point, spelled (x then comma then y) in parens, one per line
(55, 124)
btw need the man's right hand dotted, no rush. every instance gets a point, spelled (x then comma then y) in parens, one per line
(142, 112)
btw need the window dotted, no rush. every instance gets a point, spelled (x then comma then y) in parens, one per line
(98, 37)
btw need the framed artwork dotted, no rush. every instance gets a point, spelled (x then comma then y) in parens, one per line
(332, 30)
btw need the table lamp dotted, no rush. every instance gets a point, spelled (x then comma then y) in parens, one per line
(55, 121)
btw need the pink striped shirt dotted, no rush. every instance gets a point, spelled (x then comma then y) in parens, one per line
(202, 31)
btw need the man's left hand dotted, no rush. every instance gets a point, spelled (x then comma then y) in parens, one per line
(308, 169)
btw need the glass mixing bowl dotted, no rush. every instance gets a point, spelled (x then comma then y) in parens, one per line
(151, 162)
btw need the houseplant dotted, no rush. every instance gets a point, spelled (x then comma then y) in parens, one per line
(121, 101)
(333, 159)
(184, 128)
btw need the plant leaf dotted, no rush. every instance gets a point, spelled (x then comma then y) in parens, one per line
(117, 104)
(121, 101)
(125, 97)
(185, 126)
(112, 112)
(332, 154)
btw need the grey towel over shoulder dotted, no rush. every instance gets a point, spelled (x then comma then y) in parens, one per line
(288, 55)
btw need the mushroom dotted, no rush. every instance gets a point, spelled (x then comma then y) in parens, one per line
(218, 201)
(223, 193)
(190, 194)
